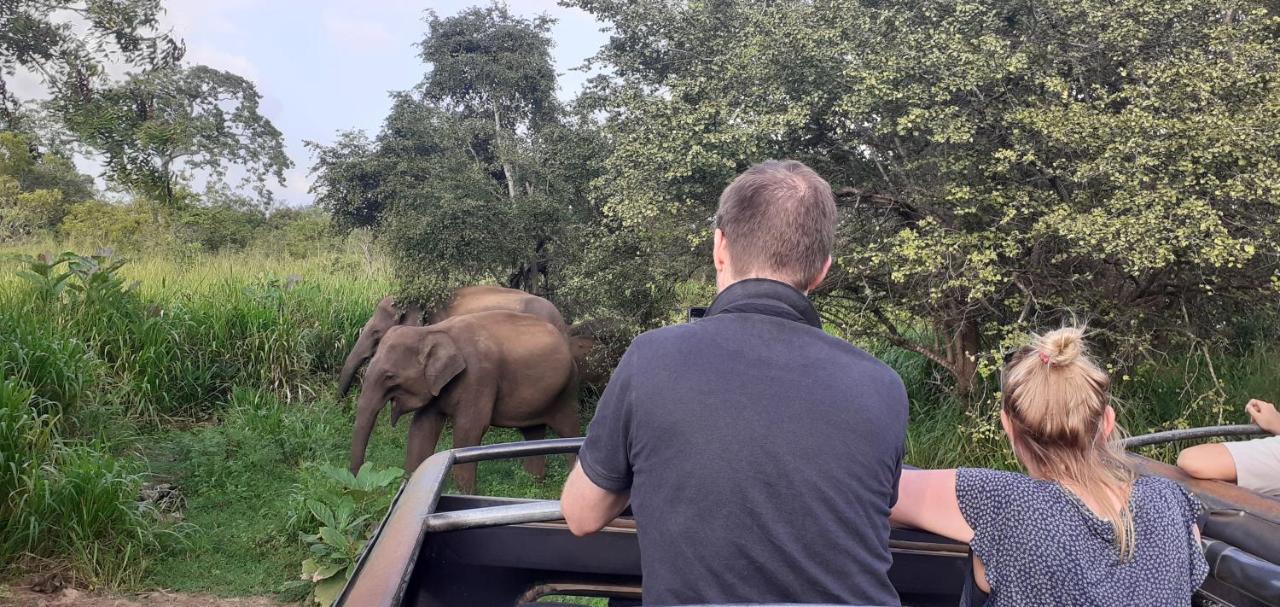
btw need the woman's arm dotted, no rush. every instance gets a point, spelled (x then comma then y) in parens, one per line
(927, 500)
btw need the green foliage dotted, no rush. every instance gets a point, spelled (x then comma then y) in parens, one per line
(302, 232)
(87, 361)
(225, 225)
(74, 503)
(489, 63)
(348, 179)
(993, 171)
(477, 176)
(36, 189)
(345, 520)
(157, 127)
(34, 169)
(41, 37)
(129, 226)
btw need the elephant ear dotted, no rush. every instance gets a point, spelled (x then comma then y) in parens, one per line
(441, 362)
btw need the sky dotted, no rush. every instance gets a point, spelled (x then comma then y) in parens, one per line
(324, 66)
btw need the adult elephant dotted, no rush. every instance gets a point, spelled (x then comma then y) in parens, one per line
(497, 368)
(467, 300)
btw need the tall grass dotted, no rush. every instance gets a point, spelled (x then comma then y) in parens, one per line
(70, 501)
(91, 367)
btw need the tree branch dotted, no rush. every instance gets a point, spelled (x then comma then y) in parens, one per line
(897, 339)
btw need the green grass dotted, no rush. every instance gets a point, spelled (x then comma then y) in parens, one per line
(215, 373)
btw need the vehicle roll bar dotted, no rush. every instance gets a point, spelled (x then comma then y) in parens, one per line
(493, 516)
(1169, 436)
(382, 575)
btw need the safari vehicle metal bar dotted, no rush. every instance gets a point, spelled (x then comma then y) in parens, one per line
(1169, 436)
(386, 567)
(382, 575)
(480, 533)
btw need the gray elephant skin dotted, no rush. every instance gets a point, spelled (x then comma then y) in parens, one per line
(466, 300)
(496, 368)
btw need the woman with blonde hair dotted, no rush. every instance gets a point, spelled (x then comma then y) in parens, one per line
(1079, 528)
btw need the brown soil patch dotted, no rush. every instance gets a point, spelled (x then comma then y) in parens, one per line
(23, 597)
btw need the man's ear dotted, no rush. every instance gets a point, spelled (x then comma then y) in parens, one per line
(817, 280)
(720, 251)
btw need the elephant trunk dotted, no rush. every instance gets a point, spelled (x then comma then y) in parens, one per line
(360, 354)
(371, 401)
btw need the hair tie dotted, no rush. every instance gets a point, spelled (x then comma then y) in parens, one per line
(1044, 358)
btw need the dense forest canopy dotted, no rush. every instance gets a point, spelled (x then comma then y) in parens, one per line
(1000, 165)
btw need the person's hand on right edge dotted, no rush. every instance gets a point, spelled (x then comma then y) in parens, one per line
(1265, 415)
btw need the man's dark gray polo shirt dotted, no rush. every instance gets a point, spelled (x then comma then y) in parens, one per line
(762, 455)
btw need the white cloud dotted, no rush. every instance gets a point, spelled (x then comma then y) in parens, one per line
(356, 34)
(26, 85)
(297, 182)
(187, 16)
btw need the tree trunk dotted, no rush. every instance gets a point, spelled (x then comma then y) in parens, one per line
(507, 171)
(963, 353)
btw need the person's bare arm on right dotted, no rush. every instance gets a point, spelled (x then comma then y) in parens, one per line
(1214, 461)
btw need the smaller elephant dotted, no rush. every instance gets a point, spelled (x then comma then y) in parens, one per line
(466, 300)
(497, 368)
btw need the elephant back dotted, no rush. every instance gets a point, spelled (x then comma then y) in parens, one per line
(473, 300)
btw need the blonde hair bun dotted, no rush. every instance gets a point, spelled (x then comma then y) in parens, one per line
(1063, 346)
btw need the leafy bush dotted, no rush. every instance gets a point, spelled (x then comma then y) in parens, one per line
(344, 511)
(220, 226)
(22, 213)
(121, 225)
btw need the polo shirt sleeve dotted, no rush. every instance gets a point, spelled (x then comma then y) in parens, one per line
(605, 456)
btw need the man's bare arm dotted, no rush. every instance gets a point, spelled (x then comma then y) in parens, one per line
(586, 507)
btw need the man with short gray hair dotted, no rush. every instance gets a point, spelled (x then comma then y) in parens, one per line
(759, 454)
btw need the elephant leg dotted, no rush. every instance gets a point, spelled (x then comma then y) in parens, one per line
(565, 424)
(467, 433)
(424, 433)
(536, 466)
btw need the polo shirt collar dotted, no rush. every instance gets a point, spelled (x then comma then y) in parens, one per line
(768, 297)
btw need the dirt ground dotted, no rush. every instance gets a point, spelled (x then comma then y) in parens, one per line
(11, 596)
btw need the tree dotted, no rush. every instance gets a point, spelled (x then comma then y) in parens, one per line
(997, 163)
(487, 63)
(348, 180)
(96, 222)
(36, 189)
(66, 42)
(478, 174)
(158, 127)
(33, 169)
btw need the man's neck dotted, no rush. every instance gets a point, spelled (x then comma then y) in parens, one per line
(727, 282)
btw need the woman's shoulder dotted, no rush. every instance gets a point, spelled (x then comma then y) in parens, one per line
(1150, 490)
(1001, 489)
(988, 479)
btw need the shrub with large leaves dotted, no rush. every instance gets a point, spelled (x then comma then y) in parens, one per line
(344, 514)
